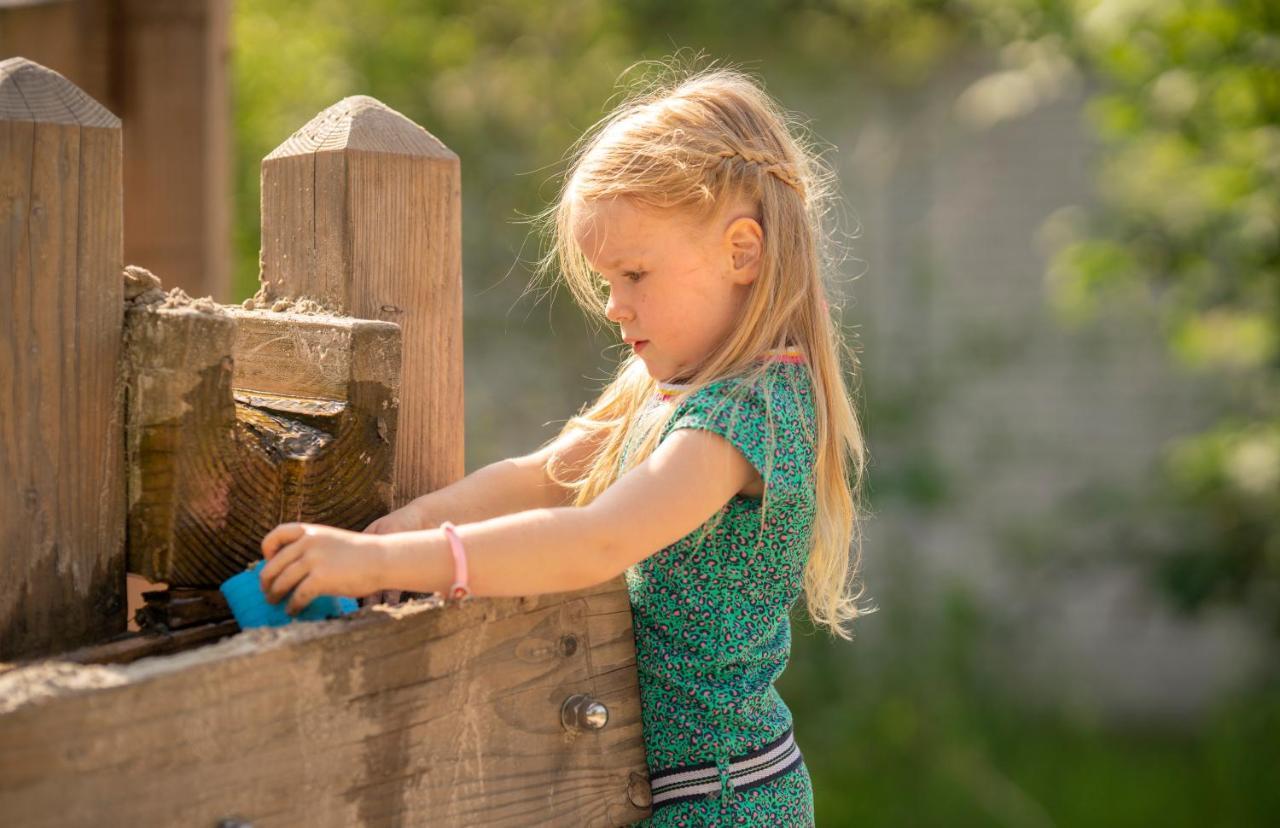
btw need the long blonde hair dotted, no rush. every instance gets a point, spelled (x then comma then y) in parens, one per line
(694, 144)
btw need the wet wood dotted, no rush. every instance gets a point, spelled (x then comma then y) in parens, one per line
(173, 609)
(410, 715)
(62, 568)
(240, 420)
(132, 646)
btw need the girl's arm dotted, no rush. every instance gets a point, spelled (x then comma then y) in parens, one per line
(512, 485)
(688, 478)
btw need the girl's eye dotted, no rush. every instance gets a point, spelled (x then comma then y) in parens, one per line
(636, 273)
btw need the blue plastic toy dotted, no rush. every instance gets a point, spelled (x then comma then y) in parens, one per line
(250, 606)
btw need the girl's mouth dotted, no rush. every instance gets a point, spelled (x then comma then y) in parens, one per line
(640, 345)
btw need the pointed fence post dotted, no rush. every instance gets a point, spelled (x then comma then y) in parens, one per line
(62, 494)
(361, 210)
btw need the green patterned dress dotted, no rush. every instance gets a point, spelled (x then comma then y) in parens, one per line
(712, 621)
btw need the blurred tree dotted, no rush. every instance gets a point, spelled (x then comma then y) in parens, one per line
(1186, 108)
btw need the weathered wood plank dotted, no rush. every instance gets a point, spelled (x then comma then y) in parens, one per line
(411, 714)
(62, 571)
(361, 210)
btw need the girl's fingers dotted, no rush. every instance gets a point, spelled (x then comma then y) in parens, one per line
(301, 597)
(289, 577)
(282, 535)
(273, 567)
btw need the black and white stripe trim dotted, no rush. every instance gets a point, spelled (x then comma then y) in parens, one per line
(754, 768)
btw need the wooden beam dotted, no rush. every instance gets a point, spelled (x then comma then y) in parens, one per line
(172, 61)
(71, 37)
(62, 565)
(329, 723)
(239, 420)
(162, 66)
(361, 210)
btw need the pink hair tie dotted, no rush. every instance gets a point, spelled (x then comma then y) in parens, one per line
(459, 590)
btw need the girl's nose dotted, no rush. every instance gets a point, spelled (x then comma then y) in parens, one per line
(614, 311)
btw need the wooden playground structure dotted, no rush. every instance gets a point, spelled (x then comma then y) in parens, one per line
(147, 432)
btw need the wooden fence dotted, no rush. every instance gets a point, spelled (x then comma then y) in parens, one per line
(144, 431)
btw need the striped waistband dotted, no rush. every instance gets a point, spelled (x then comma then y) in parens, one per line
(699, 781)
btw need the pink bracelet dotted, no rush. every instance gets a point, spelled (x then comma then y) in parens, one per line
(459, 590)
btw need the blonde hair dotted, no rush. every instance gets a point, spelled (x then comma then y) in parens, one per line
(694, 144)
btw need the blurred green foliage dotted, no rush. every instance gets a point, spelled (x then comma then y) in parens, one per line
(1185, 106)
(919, 731)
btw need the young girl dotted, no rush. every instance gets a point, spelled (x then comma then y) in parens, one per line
(719, 471)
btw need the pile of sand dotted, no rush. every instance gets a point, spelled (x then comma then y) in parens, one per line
(142, 287)
(304, 306)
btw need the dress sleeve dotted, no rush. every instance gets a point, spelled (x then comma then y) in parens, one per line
(755, 422)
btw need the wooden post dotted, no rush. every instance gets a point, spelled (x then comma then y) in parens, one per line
(62, 565)
(361, 210)
(72, 38)
(171, 67)
(161, 66)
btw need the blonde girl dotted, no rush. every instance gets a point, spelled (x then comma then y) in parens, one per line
(719, 471)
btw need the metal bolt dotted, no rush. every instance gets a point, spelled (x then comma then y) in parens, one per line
(581, 712)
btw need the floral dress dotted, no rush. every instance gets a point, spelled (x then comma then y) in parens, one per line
(711, 619)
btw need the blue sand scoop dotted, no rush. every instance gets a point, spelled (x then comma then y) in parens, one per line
(250, 606)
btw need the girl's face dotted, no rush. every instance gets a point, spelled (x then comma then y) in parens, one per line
(675, 289)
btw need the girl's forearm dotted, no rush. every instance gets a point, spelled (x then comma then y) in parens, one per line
(500, 488)
(526, 553)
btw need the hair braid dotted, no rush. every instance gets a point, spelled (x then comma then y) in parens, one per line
(766, 164)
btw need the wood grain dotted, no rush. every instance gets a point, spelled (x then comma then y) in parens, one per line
(62, 571)
(408, 715)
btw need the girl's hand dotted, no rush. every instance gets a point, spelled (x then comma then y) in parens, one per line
(313, 560)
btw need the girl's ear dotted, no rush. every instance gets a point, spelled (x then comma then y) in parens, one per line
(744, 242)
